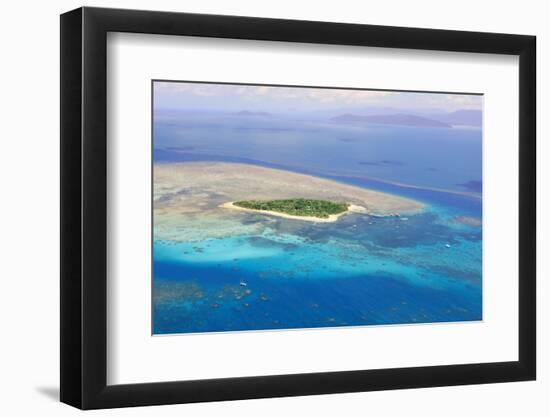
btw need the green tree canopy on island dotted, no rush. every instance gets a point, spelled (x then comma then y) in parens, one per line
(296, 207)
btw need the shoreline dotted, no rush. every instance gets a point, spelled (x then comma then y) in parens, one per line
(352, 208)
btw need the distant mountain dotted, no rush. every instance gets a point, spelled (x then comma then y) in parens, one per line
(252, 113)
(460, 117)
(390, 119)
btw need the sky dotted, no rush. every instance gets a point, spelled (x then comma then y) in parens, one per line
(232, 97)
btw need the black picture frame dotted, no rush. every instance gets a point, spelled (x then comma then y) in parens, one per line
(84, 207)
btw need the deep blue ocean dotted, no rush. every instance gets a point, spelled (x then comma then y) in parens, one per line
(360, 270)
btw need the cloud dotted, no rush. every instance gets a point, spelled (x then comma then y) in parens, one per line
(273, 98)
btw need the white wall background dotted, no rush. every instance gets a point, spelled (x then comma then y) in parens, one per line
(29, 175)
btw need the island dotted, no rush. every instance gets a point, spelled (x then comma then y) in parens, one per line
(298, 208)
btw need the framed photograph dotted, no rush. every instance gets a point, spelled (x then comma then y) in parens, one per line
(257, 208)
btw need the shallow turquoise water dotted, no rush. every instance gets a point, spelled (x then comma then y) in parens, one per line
(360, 270)
(363, 271)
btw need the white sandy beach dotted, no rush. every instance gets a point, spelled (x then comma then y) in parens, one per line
(330, 219)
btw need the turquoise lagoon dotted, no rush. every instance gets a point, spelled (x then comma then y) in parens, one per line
(360, 270)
